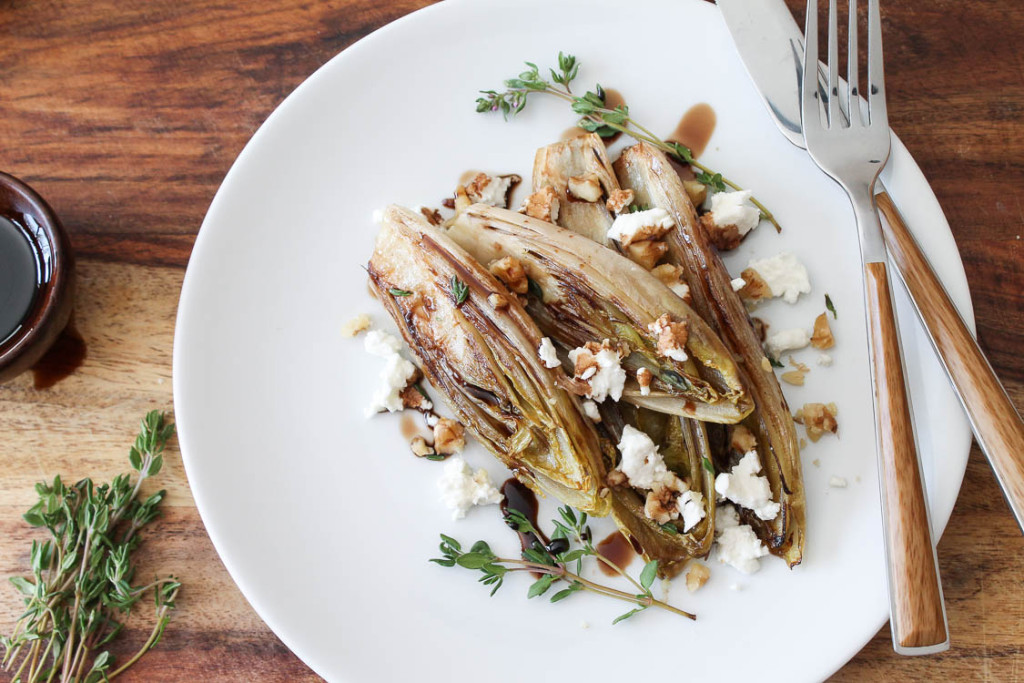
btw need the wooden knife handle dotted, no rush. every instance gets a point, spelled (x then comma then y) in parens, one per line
(997, 425)
(918, 620)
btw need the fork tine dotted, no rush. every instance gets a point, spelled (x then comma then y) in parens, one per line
(833, 65)
(852, 73)
(877, 112)
(809, 87)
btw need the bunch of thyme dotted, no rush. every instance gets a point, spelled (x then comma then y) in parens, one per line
(559, 561)
(596, 117)
(80, 593)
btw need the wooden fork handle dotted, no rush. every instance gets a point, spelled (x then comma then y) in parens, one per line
(997, 426)
(918, 619)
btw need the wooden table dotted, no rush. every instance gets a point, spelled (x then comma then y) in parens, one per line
(126, 115)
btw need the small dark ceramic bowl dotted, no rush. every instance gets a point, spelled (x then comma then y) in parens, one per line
(55, 278)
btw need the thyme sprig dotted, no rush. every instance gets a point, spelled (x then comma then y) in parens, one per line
(596, 117)
(80, 593)
(559, 561)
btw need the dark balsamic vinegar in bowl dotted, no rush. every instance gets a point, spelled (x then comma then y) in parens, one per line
(19, 276)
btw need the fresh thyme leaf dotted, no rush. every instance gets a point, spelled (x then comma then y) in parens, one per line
(670, 528)
(83, 592)
(636, 208)
(774, 361)
(712, 180)
(566, 592)
(395, 291)
(460, 292)
(706, 464)
(647, 575)
(830, 306)
(435, 457)
(540, 586)
(627, 615)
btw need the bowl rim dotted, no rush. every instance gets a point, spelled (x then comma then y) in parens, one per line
(51, 309)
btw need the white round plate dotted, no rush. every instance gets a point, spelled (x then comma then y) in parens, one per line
(324, 518)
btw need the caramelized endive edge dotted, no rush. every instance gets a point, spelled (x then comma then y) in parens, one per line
(514, 324)
(649, 174)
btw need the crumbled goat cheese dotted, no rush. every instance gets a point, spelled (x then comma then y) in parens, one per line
(640, 225)
(691, 507)
(743, 487)
(462, 487)
(824, 359)
(547, 353)
(738, 545)
(378, 216)
(494, 192)
(837, 482)
(734, 208)
(738, 284)
(590, 410)
(607, 379)
(787, 340)
(641, 462)
(356, 325)
(784, 275)
(394, 377)
(671, 337)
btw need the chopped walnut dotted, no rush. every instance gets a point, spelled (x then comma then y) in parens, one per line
(643, 378)
(449, 437)
(493, 190)
(756, 287)
(420, 447)
(616, 478)
(671, 337)
(816, 462)
(803, 443)
(661, 503)
(433, 216)
(696, 191)
(646, 253)
(511, 272)
(668, 273)
(742, 439)
(724, 237)
(619, 200)
(356, 325)
(798, 365)
(822, 337)
(412, 398)
(586, 187)
(542, 204)
(793, 377)
(497, 300)
(760, 327)
(586, 366)
(697, 576)
(818, 418)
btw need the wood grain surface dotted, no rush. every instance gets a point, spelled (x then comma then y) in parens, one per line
(126, 115)
(918, 619)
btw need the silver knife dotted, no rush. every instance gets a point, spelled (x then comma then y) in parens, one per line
(771, 45)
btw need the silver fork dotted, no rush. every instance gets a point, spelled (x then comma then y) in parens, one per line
(853, 154)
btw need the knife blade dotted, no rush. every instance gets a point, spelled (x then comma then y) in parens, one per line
(771, 46)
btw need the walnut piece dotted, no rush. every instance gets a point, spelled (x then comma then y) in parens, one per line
(619, 200)
(616, 478)
(697, 576)
(511, 272)
(671, 337)
(818, 418)
(420, 447)
(696, 191)
(668, 273)
(661, 503)
(646, 253)
(822, 337)
(756, 287)
(449, 437)
(542, 204)
(497, 300)
(586, 187)
(725, 237)
(742, 439)
(433, 216)
(356, 325)
(412, 398)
